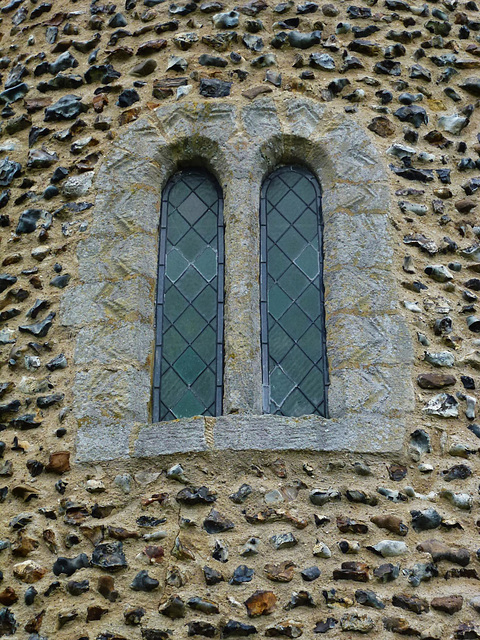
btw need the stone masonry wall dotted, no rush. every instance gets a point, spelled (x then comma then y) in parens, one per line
(223, 544)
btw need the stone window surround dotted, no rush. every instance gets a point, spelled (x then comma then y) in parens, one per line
(368, 342)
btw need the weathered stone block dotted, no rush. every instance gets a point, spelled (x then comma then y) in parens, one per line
(171, 437)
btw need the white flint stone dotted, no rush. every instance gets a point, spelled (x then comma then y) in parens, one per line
(443, 405)
(390, 548)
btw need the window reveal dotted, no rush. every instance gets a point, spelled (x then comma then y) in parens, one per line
(188, 366)
(294, 361)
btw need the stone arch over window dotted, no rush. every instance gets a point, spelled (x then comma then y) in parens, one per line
(112, 308)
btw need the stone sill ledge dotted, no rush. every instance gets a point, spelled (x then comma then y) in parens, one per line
(356, 433)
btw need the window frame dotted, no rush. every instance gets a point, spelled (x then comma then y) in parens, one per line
(174, 179)
(263, 251)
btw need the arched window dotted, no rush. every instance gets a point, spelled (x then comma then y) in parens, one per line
(294, 362)
(188, 367)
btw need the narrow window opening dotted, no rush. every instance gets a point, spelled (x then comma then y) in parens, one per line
(188, 365)
(294, 359)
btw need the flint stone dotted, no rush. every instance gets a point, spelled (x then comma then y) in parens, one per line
(67, 108)
(109, 556)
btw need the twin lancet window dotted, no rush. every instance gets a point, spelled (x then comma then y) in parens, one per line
(188, 367)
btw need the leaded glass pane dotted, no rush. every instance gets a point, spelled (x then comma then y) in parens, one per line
(189, 353)
(295, 373)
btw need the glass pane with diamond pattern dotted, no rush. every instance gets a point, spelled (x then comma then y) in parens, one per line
(189, 347)
(293, 326)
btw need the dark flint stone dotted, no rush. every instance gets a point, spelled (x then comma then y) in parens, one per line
(25, 422)
(67, 108)
(60, 281)
(68, 566)
(4, 198)
(387, 572)
(118, 20)
(59, 174)
(40, 159)
(13, 94)
(323, 626)
(421, 572)
(242, 574)
(9, 314)
(109, 556)
(364, 32)
(59, 362)
(359, 12)
(63, 62)
(397, 472)
(410, 173)
(368, 599)
(170, 25)
(39, 329)
(322, 61)
(149, 521)
(212, 576)
(101, 73)
(457, 472)
(18, 124)
(238, 629)
(182, 9)
(196, 495)
(207, 60)
(173, 608)
(201, 604)
(199, 628)
(35, 467)
(310, 574)
(127, 98)
(413, 114)
(134, 616)
(472, 85)
(143, 582)
(29, 596)
(8, 171)
(77, 588)
(12, 407)
(410, 603)
(345, 525)
(86, 45)
(8, 624)
(242, 494)
(214, 88)
(475, 429)
(254, 43)
(6, 280)
(364, 47)
(217, 523)
(300, 599)
(61, 81)
(27, 223)
(304, 40)
(50, 192)
(279, 40)
(308, 7)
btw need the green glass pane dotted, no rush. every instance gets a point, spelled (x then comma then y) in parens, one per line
(276, 191)
(311, 343)
(308, 262)
(277, 225)
(292, 243)
(173, 345)
(188, 406)
(207, 193)
(174, 304)
(206, 303)
(279, 342)
(296, 364)
(297, 405)
(295, 322)
(190, 283)
(191, 245)
(206, 227)
(177, 227)
(189, 324)
(277, 262)
(192, 208)
(280, 386)
(189, 366)
(313, 385)
(206, 263)
(309, 301)
(204, 387)
(290, 206)
(278, 301)
(307, 225)
(177, 194)
(172, 387)
(176, 265)
(293, 281)
(205, 345)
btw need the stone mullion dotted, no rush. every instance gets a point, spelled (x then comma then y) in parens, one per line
(242, 371)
